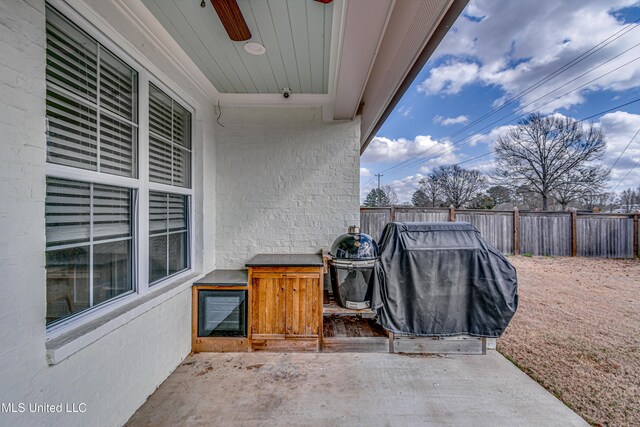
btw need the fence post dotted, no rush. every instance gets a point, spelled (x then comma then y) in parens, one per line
(452, 214)
(635, 236)
(516, 231)
(574, 233)
(393, 214)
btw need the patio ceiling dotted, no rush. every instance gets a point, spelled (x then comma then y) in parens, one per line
(296, 35)
(350, 57)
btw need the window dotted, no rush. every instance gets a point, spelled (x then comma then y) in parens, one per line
(93, 204)
(169, 140)
(168, 237)
(91, 103)
(169, 163)
(89, 245)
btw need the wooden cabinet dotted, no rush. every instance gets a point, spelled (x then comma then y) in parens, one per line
(286, 308)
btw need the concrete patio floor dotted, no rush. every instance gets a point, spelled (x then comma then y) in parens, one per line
(374, 389)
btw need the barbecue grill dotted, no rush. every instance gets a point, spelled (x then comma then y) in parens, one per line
(353, 256)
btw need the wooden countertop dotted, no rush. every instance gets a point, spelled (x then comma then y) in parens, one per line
(286, 260)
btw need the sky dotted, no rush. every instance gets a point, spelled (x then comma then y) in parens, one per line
(501, 61)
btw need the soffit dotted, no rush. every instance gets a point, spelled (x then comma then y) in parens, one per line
(296, 34)
(414, 30)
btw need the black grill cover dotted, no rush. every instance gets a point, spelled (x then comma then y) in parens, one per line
(442, 279)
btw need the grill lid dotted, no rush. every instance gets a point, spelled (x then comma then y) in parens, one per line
(355, 246)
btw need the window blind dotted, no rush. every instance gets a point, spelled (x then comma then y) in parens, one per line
(169, 140)
(91, 102)
(168, 235)
(167, 212)
(68, 209)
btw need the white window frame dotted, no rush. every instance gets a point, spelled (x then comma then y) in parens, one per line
(141, 184)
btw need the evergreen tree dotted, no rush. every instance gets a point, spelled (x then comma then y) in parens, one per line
(376, 198)
(420, 199)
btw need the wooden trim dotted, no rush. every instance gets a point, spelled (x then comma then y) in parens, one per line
(259, 269)
(286, 344)
(463, 344)
(269, 336)
(194, 317)
(320, 309)
(355, 345)
(219, 344)
(250, 297)
(574, 233)
(267, 275)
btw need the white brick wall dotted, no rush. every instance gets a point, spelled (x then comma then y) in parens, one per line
(286, 182)
(115, 374)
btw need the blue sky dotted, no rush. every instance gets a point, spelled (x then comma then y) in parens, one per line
(494, 52)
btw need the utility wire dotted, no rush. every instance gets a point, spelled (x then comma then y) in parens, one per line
(577, 121)
(545, 79)
(625, 149)
(473, 137)
(627, 174)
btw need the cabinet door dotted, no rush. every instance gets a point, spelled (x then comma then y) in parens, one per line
(302, 294)
(268, 304)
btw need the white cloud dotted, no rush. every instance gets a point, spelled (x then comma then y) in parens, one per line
(387, 150)
(517, 43)
(365, 172)
(405, 111)
(406, 186)
(449, 78)
(619, 127)
(448, 121)
(489, 138)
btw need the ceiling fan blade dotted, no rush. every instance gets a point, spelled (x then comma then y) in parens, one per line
(232, 19)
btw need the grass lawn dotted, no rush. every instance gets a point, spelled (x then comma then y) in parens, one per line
(577, 332)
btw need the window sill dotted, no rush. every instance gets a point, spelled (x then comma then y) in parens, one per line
(74, 340)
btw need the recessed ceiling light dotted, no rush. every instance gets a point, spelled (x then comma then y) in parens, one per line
(255, 48)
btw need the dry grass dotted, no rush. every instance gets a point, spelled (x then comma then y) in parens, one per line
(577, 332)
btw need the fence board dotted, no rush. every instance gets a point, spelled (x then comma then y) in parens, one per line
(545, 233)
(372, 222)
(495, 227)
(605, 237)
(540, 233)
(422, 215)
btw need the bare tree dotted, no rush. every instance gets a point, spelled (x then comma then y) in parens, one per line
(598, 202)
(432, 189)
(459, 186)
(628, 199)
(543, 153)
(391, 194)
(575, 184)
(500, 194)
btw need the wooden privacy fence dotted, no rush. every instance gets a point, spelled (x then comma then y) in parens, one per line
(520, 232)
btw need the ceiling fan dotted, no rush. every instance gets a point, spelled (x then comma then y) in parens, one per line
(232, 19)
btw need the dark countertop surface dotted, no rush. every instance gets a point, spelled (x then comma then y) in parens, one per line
(286, 260)
(224, 278)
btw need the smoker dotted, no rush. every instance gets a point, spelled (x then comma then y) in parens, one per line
(353, 256)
